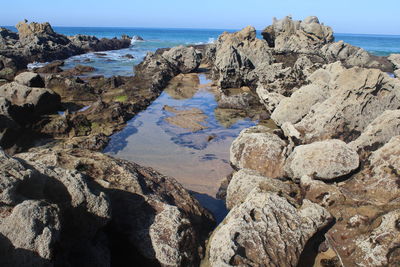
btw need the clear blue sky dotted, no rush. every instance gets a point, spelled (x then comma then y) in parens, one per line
(345, 16)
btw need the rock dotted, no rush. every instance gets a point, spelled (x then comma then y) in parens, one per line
(292, 109)
(29, 79)
(52, 67)
(49, 214)
(257, 148)
(78, 70)
(379, 247)
(8, 68)
(378, 181)
(236, 57)
(357, 97)
(352, 56)
(378, 132)
(245, 180)
(270, 100)
(38, 42)
(307, 36)
(395, 60)
(43, 100)
(137, 38)
(154, 219)
(185, 59)
(324, 160)
(253, 232)
(242, 100)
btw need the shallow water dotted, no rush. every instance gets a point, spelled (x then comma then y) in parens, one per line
(199, 160)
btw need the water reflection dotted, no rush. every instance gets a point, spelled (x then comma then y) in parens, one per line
(199, 159)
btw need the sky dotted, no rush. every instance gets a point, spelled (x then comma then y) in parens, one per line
(344, 16)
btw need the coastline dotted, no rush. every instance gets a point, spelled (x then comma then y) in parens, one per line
(320, 171)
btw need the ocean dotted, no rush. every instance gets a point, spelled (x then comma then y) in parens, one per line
(117, 63)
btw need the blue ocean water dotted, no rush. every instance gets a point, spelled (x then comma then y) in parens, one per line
(118, 63)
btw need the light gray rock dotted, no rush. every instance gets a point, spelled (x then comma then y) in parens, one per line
(34, 226)
(395, 59)
(186, 59)
(380, 246)
(236, 57)
(265, 230)
(29, 79)
(378, 132)
(358, 96)
(245, 180)
(307, 36)
(324, 160)
(292, 109)
(257, 148)
(270, 100)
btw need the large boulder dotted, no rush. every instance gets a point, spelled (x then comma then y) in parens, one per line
(326, 160)
(42, 100)
(154, 220)
(259, 149)
(29, 79)
(265, 230)
(48, 215)
(307, 36)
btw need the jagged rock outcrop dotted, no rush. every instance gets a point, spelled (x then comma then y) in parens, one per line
(307, 36)
(39, 42)
(395, 60)
(265, 230)
(259, 149)
(154, 219)
(158, 68)
(325, 160)
(236, 57)
(8, 68)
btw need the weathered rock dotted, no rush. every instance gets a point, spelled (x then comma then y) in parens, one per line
(49, 214)
(292, 109)
(8, 68)
(29, 233)
(154, 220)
(266, 230)
(353, 56)
(186, 59)
(42, 100)
(52, 67)
(380, 246)
(245, 180)
(236, 57)
(378, 132)
(379, 180)
(257, 148)
(29, 79)
(307, 36)
(395, 59)
(357, 97)
(241, 100)
(324, 160)
(270, 100)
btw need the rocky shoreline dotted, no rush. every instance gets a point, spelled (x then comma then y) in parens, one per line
(318, 188)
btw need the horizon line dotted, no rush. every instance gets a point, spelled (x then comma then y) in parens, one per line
(188, 28)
